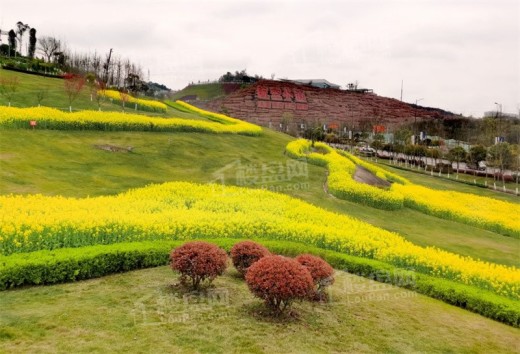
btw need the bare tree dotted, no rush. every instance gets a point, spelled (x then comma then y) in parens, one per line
(49, 46)
(41, 94)
(125, 97)
(96, 64)
(8, 87)
(73, 86)
(118, 74)
(100, 92)
(91, 83)
(128, 70)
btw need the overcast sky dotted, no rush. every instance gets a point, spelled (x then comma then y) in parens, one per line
(459, 55)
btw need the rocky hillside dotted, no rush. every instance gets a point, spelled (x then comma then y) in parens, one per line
(270, 103)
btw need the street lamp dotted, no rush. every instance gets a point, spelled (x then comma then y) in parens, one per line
(415, 119)
(499, 116)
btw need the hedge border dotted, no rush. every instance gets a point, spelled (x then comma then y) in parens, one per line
(72, 264)
(10, 68)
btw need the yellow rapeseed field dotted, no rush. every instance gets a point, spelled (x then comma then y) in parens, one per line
(488, 213)
(145, 104)
(50, 118)
(182, 210)
(340, 180)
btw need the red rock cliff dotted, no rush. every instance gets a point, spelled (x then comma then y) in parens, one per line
(267, 102)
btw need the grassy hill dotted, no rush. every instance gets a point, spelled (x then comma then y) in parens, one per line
(70, 163)
(207, 91)
(55, 97)
(140, 312)
(202, 91)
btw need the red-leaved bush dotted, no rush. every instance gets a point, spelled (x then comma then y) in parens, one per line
(321, 272)
(197, 262)
(279, 281)
(245, 253)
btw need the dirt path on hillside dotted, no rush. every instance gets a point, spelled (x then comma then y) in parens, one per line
(363, 175)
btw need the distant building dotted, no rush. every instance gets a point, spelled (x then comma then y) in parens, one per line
(320, 83)
(452, 143)
(493, 114)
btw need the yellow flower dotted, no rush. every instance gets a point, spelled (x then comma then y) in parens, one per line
(160, 212)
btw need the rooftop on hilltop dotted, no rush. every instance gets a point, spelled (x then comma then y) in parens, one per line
(321, 83)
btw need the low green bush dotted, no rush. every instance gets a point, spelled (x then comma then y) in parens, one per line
(71, 264)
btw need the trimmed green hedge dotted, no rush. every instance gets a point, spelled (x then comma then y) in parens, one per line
(65, 265)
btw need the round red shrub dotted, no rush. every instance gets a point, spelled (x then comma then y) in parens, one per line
(278, 281)
(197, 262)
(245, 253)
(321, 272)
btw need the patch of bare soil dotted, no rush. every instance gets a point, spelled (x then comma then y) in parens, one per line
(363, 175)
(6, 156)
(113, 148)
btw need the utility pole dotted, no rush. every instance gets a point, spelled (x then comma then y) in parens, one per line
(106, 66)
(401, 90)
(499, 121)
(415, 120)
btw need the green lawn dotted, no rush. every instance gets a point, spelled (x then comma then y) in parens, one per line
(30, 85)
(139, 312)
(202, 91)
(67, 163)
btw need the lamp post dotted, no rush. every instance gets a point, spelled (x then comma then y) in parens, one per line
(415, 119)
(499, 117)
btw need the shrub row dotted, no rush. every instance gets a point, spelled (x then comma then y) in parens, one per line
(64, 265)
(71, 264)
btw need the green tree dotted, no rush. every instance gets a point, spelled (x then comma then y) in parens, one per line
(477, 153)
(12, 42)
(403, 135)
(434, 154)
(457, 154)
(314, 132)
(488, 131)
(409, 151)
(32, 43)
(379, 141)
(515, 165)
(500, 156)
